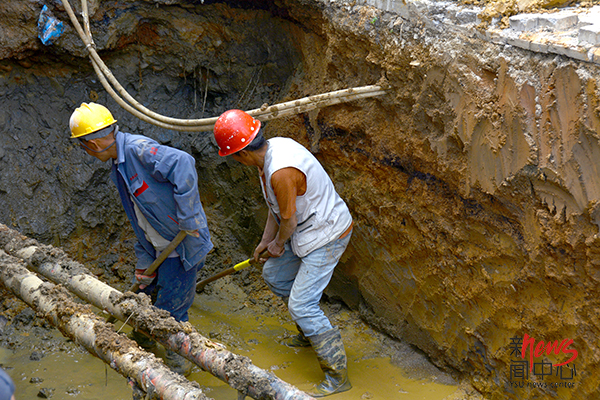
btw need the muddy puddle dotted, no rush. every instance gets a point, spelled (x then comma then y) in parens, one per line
(372, 372)
(44, 364)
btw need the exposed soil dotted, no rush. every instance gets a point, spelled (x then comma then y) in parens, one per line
(472, 184)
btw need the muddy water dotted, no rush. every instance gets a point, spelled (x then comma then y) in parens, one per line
(65, 371)
(258, 336)
(378, 368)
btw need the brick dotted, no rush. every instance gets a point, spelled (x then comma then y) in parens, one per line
(538, 47)
(590, 34)
(401, 8)
(556, 49)
(591, 18)
(594, 55)
(577, 53)
(563, 46)
(518, 42)
(380, 4)
(539, 43)
(524, 22)
(495, 36)
(559, 21)
(467, 17)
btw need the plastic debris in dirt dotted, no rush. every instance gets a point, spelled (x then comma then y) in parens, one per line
(49, 28)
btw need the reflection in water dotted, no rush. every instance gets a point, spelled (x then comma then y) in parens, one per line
(71, 373)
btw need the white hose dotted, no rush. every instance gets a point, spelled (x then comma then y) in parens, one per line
(264, 113)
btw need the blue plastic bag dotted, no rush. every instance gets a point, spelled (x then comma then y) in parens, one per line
(49, 28)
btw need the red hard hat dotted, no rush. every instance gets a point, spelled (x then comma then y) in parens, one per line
(234, 130)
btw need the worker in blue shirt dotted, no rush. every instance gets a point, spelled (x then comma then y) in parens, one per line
(7, 387)
(158, 187)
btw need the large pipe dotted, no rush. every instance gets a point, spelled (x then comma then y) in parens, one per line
(237, 371)
(84, 327)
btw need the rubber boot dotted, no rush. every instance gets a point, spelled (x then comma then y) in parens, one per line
(297, 341)
(177, 363)
(143, 341)
(332, 359)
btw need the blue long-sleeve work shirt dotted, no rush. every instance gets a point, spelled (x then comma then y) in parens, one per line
(164, 185)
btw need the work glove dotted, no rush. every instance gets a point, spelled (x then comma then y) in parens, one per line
(142, 279)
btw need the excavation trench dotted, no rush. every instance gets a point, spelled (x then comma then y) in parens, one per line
(472, 182)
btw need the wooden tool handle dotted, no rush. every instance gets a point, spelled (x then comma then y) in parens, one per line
(161, 258)
(237, 267)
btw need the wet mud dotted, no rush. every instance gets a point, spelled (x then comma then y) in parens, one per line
(249, 324)
(246, 319)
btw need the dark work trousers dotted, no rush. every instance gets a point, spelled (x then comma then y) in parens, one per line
(175, 288)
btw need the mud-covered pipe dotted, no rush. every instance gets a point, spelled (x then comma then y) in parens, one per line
(237, 371)
(80, 324)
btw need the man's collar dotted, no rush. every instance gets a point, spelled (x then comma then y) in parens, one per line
(120, 138)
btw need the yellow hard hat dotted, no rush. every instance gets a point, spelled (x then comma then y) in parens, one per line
(89, 118)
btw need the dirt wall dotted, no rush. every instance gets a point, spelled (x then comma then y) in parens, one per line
(473, 183)
(474, 188)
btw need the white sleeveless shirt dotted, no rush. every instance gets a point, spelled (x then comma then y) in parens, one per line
(321, 213)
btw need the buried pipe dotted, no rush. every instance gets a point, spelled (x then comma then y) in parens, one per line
(235, 370)
(80, 324)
